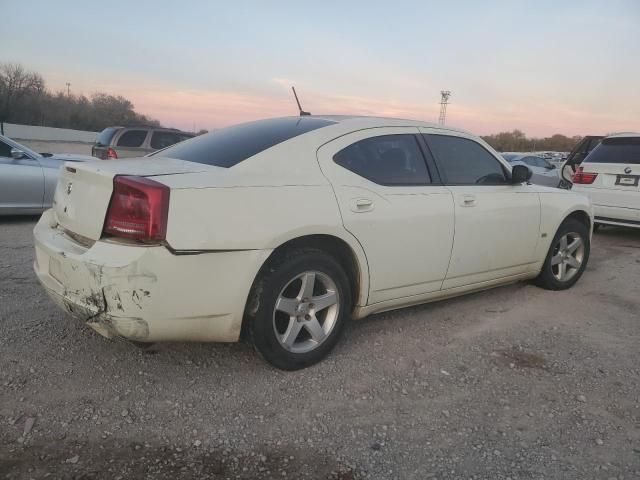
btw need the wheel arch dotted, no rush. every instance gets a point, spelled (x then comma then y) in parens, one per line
(581, 216)
(348, 253)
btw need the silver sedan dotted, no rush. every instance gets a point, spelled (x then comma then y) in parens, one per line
(28, 179)
(544, 172)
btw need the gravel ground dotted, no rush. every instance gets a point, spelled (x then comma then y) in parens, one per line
(514, 383)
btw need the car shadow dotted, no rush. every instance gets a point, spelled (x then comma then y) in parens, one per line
(620, 233)
(18, 219)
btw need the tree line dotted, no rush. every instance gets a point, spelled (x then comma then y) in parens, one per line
(517, 141)
(25, 99)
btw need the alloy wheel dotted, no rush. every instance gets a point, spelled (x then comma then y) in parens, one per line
(568, 255)
(306, 311)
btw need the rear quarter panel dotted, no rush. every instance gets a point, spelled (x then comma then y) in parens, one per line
(249, 217)
(260, 203)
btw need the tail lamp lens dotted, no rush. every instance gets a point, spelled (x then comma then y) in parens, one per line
(138, 209)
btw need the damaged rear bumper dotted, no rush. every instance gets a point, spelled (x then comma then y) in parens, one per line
(146, 293)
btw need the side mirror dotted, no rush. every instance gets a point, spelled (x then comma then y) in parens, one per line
(17, 154)
(520, 174)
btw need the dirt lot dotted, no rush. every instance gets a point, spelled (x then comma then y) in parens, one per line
(513, 383)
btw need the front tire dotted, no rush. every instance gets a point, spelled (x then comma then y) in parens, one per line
(567, 257)
(298, 308)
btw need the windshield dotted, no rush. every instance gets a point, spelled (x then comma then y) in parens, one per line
(229, 146)
(105, 136)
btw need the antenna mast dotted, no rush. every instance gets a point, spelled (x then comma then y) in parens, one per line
(444, 101)
(302, 112)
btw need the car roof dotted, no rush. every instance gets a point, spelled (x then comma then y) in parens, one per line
(624, 135)
(363, 121)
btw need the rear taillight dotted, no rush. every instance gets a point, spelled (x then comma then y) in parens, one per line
(138, 209)
(111, 153)
(584, 178)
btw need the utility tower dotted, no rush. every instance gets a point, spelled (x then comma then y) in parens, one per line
(444, 101)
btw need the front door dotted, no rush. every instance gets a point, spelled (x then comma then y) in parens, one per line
(21, 182)
(497, 224)
(391, 200)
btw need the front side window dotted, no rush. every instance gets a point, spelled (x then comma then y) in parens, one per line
(465, 162)
(132, 138)
(386, 160)
(164, 139)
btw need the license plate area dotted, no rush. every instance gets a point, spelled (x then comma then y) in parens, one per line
(627, 180)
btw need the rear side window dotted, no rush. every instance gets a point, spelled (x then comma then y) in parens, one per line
(164, 139)
(465, 162)
(105, 136)
(132, 138)
(386, 160)
(616, 150)
(229, 146)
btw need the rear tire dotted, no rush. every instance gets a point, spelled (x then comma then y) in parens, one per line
(298, 308)
(567, 257)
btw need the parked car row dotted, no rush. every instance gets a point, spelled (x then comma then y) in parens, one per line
(543, 172)
(28, 179)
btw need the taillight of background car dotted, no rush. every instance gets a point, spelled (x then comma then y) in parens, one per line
(138, 209)
(111, 153)
(584, 178)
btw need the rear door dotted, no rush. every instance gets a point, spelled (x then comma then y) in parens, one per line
(497, 224)
(131, 143)
(21, 182)
(391, 200)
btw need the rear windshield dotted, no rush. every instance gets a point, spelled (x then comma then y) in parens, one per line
(229, 146)
(105, 136)
(616, 150)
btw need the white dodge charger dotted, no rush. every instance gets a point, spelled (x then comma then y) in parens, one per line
(282, 230)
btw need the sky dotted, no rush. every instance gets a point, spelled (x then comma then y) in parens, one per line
(541, 66)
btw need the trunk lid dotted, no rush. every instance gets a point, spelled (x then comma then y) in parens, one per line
(84, 189)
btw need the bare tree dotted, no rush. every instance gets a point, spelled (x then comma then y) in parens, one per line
(15, 83)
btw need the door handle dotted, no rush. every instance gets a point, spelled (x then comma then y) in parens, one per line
(361, 204)
(468, 200)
